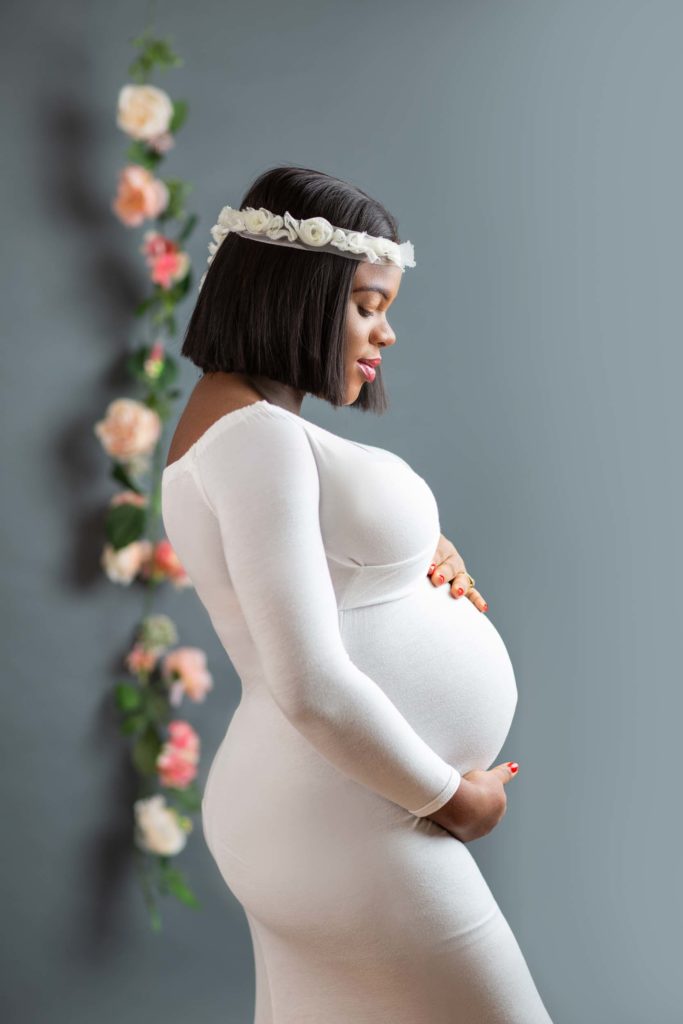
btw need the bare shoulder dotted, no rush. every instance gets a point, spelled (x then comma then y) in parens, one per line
(209, 401)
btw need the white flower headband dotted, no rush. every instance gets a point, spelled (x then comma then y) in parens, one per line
(312, 233)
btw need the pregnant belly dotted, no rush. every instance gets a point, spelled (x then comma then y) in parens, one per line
(444, 665)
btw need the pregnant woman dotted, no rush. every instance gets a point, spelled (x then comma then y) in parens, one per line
(357, 765)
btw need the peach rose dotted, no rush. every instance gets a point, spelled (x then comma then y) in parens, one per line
(124, 564)
(129, 429)
(159, 828)
(186, 672)
(140, 196)
(143, 111)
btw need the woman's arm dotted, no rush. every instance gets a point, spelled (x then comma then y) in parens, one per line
(262, 484)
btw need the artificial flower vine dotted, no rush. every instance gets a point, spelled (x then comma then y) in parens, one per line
(164, 748)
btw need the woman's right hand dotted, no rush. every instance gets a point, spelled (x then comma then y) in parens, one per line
(478, 803)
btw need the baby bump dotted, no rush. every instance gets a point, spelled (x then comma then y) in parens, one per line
(444, 665)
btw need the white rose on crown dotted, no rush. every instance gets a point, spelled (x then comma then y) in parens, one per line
(257, 221)
(315, 231)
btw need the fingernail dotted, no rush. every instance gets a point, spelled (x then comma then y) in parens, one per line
(513, 766)
(460, 590)
(431, 568)
(441, 577)
(486, 608)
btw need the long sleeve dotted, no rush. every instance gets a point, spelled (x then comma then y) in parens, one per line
(263, 487)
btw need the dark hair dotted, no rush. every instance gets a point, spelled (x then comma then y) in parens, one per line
(280, 312)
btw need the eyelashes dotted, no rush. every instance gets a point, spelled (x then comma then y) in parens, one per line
(364, 312)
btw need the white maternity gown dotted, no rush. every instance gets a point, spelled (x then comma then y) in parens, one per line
(366, 692)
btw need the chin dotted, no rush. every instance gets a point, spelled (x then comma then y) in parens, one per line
(353, 393)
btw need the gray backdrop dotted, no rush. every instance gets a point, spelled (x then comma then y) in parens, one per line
(533, 154)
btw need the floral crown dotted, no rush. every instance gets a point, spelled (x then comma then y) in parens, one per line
(311, 233)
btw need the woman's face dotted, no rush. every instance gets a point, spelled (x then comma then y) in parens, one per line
(368, 331)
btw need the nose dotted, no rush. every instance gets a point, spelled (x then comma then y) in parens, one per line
(385, 337)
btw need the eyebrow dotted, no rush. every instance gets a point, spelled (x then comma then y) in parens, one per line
(371, 288)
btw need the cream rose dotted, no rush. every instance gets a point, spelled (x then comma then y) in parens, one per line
(144, 111)
(159, 828)
(257, 221)
(315, 231)
(122, 565)
(129, 429)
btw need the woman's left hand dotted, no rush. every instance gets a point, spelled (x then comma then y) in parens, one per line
(448, 567)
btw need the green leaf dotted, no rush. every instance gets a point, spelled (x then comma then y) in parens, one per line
(120, 474)
(180, 108)
(128, 697)
(158, 708)
(145, 752)
(154, 53)
(178, 191)
(133, 723)
(139, 152)
(188, 228)
(124, 523)
(146, 304)
(169, 372)
(177, 886)
(187, 800)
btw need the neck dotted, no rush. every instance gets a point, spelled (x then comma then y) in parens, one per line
(274, 391)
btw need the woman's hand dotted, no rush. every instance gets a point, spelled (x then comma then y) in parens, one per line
(448, 567)
(478, 803)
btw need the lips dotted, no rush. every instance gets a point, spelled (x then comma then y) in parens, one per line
(367, 369)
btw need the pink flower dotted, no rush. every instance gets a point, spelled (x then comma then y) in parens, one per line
(124, 564)
(154, 244)
(129, 429)
(140, 196)
(179, 756)
(166, 261)
(141, 659)
(186, 672)
(184, 737)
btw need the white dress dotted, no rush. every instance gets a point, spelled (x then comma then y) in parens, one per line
(366, 692)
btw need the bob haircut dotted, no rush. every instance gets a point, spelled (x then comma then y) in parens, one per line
(279, 312)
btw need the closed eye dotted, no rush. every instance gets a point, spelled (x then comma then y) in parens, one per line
(364, 312)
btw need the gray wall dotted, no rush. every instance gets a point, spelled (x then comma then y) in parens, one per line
(533, 154)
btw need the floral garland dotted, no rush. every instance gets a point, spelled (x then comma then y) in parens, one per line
(164, 749)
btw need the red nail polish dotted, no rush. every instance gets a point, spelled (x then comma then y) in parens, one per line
(486, 607)
(431, 569)
(460, 590)
(513, 766)
(441, 577)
